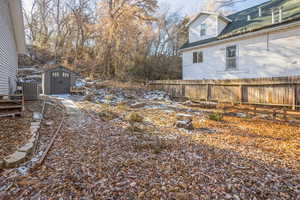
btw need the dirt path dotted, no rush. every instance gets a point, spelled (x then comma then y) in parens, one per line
(92, 159)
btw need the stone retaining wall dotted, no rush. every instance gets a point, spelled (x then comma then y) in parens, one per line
(24, 151)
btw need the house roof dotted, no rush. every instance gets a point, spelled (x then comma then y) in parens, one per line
(241, 25)
(16, 14)
(208, 13)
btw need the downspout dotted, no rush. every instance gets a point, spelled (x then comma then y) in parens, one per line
(268, 41)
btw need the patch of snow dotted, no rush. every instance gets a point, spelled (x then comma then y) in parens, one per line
(243, 115)
(23, 170)
(161, 106)
(106, 97)
(157, 95)
(37, 116)
(168, 137)
(61, 96)
(80, 83)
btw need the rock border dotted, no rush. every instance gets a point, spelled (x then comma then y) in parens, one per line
(24, 151)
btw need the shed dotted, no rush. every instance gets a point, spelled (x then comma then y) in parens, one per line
(58, 80)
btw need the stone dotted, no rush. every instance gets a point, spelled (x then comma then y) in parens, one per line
(27, 148)
(184, 117)
(33, 130)
(186, 124)
(35, 127)
(37, 116)
(32, 139)
(49, 123)
(35, 123)
(14, 159)
(138, 105)
(1, 164)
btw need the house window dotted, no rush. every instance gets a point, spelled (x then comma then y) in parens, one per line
(66, 75)
(197, 57)
(203, 29)
(231, 55)
(55, 74)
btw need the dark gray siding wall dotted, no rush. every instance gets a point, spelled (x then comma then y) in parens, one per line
(8, 55)
(47, 81)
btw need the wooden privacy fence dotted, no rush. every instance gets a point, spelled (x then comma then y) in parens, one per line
(282, 91)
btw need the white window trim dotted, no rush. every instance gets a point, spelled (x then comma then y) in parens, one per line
(237, 59)
(197, 57)
(201, 25)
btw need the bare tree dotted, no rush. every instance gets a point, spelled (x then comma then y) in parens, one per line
(109, 38)
(217, 5)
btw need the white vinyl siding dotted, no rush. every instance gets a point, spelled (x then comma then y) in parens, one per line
(8, 55)
(261, 56)
(209, 21)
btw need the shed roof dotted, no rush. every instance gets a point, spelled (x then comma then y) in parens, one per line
(241, 25)
(51, 68)
(55, 68)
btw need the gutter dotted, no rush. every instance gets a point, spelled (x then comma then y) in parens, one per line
(252, 33)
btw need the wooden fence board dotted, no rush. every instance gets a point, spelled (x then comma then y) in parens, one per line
(281, 91)
(196, 91)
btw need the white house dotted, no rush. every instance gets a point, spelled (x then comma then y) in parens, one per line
(12, 42)
(262, 41)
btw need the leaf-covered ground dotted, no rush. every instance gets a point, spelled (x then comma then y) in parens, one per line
(14, 132)
(100, 154)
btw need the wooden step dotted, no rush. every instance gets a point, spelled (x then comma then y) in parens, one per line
(10, 101)
(10, 107)
(11, 95)
(14, 114)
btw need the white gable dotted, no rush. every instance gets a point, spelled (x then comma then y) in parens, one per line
(215, 25)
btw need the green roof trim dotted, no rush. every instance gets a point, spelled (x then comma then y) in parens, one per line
(240, 24)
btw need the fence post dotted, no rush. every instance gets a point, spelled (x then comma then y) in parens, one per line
(183, 90)
(241, 93)
(294, 96)
(207, 92)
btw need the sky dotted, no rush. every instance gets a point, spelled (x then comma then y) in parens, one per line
(186, 7)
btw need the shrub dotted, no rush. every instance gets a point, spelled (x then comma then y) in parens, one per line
(216, 116)
(107, 115)
(135, 117)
